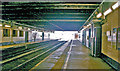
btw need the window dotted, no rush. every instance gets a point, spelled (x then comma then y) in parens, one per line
(15, 33)
(6, 33)
(21, 33)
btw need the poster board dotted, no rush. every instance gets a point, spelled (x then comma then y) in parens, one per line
(118, 42)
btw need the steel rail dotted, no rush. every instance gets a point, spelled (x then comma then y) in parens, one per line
(36, 56)
(16, 57)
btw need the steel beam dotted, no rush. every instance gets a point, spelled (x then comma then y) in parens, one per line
(52, 20)
(66, 7)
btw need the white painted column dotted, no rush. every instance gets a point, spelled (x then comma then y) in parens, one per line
(30, 35)
(1, 33)
(11, 34)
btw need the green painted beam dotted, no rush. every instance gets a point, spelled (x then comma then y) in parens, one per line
(52, 20)
(53, 13)
(66, 4)
(51, 17)
(37, 8)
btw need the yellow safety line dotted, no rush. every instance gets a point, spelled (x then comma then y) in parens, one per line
(41, 61)
(19, 44)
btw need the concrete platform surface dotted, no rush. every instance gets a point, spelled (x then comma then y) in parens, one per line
(75, 57)
(80, 58)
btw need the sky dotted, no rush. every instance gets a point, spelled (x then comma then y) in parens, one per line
(63, 35)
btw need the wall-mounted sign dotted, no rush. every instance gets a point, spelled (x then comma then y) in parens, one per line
(108, 33)
(118, 44)
(109, 38)
(114, 34)
(114, 30)
(114, 37)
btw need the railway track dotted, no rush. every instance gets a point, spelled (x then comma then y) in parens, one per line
(26, 53)
(29, 59)
(20, 50)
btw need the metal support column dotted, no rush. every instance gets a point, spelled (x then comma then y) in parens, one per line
(1, 31)
(90, 38)
(42, 35)
(48, 36)
(26, 36)
(96, 40)
(85, 37)
(11, 35)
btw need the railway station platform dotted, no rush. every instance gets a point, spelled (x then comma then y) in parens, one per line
(51, 56)
(63, 35)
(75, 57)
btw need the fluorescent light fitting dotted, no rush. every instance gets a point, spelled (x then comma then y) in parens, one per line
(7, 26)
(0, 24)
(107, 12)
(83, 29)
(97, 20)
(116, 5)
(99, 15)
(20, 28)
(28, 28)
(88, 25)
(85, 26)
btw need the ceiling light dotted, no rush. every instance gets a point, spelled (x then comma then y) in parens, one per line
(99, 15)
(88, 25)
(28, 28)
(107, 12)
(7, 26)
(96, 20)
(116, 5)
(85, 26)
